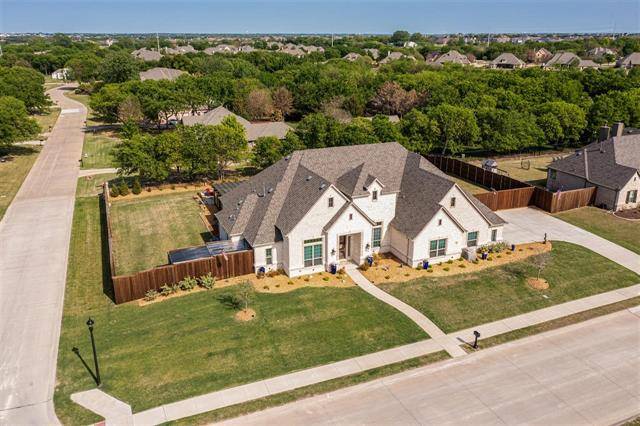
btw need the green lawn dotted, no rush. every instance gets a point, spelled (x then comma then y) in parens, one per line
(191, 345)
(606, 225)
(14, 171)
(465, 300)
(146, 228)
(48, 120)
(97, 151)
(92, 185)
(535, 174)
(84, 99)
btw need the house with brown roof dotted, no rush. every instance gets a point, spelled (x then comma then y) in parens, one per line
(253, 130)
(630, 61)
(539, 55)
(611, 164)
(146, 55)
(321, 207)
(507, 61)
(160, 73)
(569, 59)
(452, 57)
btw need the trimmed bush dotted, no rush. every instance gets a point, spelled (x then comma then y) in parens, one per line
(207, 281)
(124, 189)
(137, 188)
(114, 191)
(188, 283)
(150, 295)
(364, 266)
(446, 269)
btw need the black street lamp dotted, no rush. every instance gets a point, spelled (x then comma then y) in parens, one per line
(476, 334)
(90, 323)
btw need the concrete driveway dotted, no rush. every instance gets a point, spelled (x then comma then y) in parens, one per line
(530, 224)
(588, 373)
(34, 245)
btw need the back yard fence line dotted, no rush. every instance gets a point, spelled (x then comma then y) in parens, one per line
(131, 287)
(509, 193)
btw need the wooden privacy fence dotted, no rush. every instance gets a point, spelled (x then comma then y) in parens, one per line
(131, 287)
(509, 193)
(135, 286)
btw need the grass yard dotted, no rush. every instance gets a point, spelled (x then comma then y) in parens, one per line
(92, 185)
(535, 175)
(14, 171)
(84, 99)
(191, 345)
(620, 231)
(47, 121)
(468, 186)
(145, 229)
(97, 151)
(462, 301)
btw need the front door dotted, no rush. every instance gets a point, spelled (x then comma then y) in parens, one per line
(343, 247)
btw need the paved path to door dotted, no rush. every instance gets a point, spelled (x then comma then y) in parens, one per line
(447, 343)
(530, 224)
(34, 246)
(588, 373)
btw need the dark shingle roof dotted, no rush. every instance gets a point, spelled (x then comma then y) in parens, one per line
(610, 163)
(277, 198)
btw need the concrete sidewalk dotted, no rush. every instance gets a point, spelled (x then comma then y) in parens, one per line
(34, 246)
(93, 172)
(239, 394)
(448, 344)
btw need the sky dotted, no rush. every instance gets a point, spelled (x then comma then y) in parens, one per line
(315, 16)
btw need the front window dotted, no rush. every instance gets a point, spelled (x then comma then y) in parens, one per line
(632, 196)
(438, 248)
(494, 235)
(453, 201)
(374, 195)
(472, 239)
(269, 256)
(330, 201)
(376, 237)
(313, 252)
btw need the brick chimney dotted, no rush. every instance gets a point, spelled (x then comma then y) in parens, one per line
(605, 132)
(618, 128)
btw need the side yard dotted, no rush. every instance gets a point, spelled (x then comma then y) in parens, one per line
(532, 170)
(97, 151)
(146, 228)
(464, 300)
(191, 345)
(13, 171)
(623, 232)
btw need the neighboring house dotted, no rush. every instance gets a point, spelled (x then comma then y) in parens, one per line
(351, 57)
(160, 74)
(630, 61)
(569, 59)
(410, 44)
(452, 57)
(394, 56)
(375, 53)
(61, 74)
(180, 50)
(319, 207)
(392, 118)
(539, 55)
(253, 130)
(508, 61)
(146, 54)
(221, 48)
(600, 52)
(611, 165)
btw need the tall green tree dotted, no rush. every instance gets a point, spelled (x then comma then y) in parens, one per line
(15, 123)
(25, 84)
(118, 67)
(457, 125)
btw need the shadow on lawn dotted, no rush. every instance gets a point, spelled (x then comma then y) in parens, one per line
(16, 151)
(107, 285)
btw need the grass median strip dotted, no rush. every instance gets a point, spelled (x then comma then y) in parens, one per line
(309, 391)
(554, 324)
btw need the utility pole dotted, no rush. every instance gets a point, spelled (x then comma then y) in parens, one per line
(158, 41)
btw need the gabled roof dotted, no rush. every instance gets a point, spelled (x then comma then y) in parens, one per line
(631, 60)
(253, 131)
(160, 74)
(146, 54)
(453, 57)
(610, 163)
(275, 200)
(507, 59)
(563, 59)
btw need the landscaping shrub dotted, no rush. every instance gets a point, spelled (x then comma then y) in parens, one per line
(429, 270)
(137, 188)
(124, 189)
(446, 269)
(207, 281)
(150, 295)
(306, 279)
(290, 282)
(114, 191)
(462, 265)
(325, 279)
(272, 274)
(265, 287)
(281, 271)
(406, 275)
(364, 266)
(341, 271)
(165, 290)
(386, 277)
(489, 258)
(450, 261)
(188, 283)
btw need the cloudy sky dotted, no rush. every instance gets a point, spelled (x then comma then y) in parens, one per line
(314, 16)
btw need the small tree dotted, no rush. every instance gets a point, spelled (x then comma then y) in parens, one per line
(244, 293)
(124, 189)
(114, 191)
(540, 262)
(137, 188)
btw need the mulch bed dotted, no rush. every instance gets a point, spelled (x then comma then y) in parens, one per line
(629, 214)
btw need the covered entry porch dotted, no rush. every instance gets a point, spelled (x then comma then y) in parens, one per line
(349, 248)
